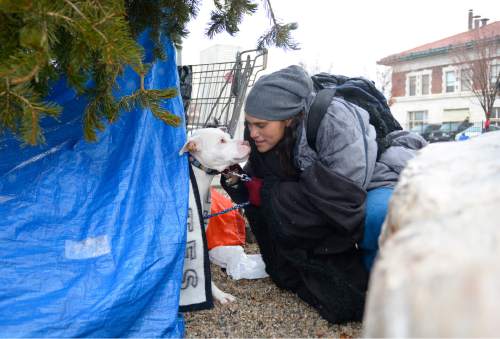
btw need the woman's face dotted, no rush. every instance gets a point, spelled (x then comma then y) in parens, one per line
(266, 133)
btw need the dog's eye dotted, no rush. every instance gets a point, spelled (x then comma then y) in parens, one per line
(222, 141)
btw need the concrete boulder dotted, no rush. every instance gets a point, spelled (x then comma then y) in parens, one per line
(438, 270)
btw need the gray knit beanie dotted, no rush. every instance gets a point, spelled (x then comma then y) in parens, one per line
(280, 95)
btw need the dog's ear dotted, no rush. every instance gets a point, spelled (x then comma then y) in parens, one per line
(190, 146)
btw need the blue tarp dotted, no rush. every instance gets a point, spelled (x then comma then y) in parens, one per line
(92, 234)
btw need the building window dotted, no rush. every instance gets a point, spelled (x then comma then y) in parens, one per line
(425, 84)
(450, 81)
(416, 118)
(495, 113)
(418, 83)
(413, 85)
(455, 114)
(465, 79)
(495, 73)
(495, 116)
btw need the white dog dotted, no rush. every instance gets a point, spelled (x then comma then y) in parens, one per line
(212, 151)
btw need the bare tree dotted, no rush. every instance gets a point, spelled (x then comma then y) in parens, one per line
(383, 81)
(479, 70)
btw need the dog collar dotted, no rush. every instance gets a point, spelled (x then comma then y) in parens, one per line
(197, 164)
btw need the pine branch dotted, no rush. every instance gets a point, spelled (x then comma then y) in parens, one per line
(22, 110)
(151, 99)
(280, 36)
(163, 18)
(27, 77)
(270, 12)
(88, 41)
(92, 121)
(227, 17)
(91, 42)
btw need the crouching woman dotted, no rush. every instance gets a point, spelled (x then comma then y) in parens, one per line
(310, 209)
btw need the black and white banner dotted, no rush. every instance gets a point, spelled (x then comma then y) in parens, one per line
(196, 292)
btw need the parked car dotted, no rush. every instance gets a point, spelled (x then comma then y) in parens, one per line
(448, 131)
(474, 131)
(425, 130)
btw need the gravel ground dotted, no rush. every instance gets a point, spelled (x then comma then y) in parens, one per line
(261, 310)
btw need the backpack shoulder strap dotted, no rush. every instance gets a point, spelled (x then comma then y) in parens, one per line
(316, 113)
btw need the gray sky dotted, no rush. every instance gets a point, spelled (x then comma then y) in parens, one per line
(349, 36)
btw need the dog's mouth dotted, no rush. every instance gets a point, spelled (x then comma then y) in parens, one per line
(242, 155)
(233, 163)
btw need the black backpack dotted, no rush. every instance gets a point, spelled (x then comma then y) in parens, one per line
(358, 91)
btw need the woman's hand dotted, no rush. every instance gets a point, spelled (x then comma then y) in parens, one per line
(231, 176)
(232, 184)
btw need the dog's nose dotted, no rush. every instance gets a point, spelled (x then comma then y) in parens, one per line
(246, 143)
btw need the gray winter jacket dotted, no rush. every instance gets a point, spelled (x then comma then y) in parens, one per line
(346, 144)
(403, 147)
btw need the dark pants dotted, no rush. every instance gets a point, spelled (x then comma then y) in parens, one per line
(334, 284)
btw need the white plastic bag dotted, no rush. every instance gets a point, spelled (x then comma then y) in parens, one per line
(237, 263)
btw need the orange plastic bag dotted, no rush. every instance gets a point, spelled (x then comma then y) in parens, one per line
(225, 229)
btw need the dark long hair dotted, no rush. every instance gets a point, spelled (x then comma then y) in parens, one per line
(285, 148)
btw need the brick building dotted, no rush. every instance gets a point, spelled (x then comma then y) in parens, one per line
(429, 83)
